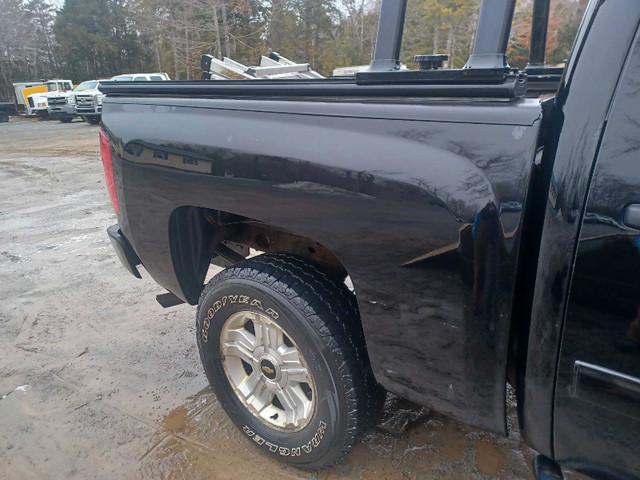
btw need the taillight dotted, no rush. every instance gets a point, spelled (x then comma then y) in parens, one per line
(105, 153)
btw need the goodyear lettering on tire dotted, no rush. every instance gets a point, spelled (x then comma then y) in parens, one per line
(232, 299)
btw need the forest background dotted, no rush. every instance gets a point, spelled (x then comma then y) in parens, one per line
(89, 39)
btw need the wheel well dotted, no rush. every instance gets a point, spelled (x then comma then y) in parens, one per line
(200, 236)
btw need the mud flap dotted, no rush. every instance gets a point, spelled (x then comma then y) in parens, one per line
(124, 250)
(546, 469)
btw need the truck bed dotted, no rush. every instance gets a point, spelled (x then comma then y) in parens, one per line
(421, 200)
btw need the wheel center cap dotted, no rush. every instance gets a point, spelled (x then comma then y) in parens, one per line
(268, 369)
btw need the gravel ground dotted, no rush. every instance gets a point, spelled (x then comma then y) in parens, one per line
(98, 381)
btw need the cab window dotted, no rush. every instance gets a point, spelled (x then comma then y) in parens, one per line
(156, 77)
(86, 86)
(140, 79)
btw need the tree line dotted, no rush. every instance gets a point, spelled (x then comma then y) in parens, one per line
(87, 39)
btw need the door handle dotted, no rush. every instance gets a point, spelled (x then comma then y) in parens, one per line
(631, 216)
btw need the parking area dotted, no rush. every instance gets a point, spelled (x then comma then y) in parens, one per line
(97, 380)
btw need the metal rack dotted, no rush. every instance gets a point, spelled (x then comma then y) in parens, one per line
(486, 71)
(274, 66)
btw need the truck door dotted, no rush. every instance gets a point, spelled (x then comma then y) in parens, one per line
(597, 398)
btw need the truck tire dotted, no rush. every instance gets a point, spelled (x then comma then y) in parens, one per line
(91, 119)
(279, 346)
(66, 119)
(4, 117)
(338, 291)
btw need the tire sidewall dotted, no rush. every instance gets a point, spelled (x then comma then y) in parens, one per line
(328, 422)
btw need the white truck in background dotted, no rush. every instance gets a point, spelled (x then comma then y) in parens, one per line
(36, 103)
(141, 77)
(88, 102)
(62, 105)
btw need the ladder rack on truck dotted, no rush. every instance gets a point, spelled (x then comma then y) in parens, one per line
(273, 66)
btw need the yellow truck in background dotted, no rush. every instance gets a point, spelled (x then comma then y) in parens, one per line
(31, 97)
(21, 98)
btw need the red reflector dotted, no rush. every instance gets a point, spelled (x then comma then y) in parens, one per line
(105, 153)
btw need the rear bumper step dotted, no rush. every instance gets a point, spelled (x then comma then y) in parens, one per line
(124, 250)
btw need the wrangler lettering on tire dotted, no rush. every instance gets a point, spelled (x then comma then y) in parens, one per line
(281, 345)
(294, 451)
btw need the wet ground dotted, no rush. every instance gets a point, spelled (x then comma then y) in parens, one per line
(98, 381)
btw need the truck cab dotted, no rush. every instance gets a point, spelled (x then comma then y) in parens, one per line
(62, 105)
(87, 101)
(37, 102)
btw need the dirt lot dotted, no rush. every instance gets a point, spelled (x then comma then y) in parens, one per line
(98, 381)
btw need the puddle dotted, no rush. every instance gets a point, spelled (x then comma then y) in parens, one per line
(176, 420)
(198, 441)
(488, 458)
(21, 388)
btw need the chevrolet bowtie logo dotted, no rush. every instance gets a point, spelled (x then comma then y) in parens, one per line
(267, 370)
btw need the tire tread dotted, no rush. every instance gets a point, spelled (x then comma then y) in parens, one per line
(331, 310)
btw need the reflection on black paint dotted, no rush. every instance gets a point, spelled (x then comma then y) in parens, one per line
(416, 211)
(486, 234)
(631, 343)
(602, 325)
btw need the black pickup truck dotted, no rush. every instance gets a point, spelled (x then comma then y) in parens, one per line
(432, 233)
(6, 110)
